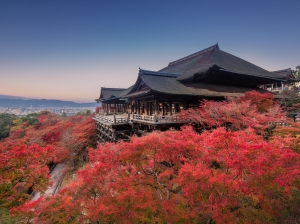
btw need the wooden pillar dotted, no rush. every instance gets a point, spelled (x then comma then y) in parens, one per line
(135, 107)
(146, 109)
(156, 106)
(170, 107)
(185, 105)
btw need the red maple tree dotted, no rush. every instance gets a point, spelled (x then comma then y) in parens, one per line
(254, 110)
(227, 174)
(180, 177)
(26, 155)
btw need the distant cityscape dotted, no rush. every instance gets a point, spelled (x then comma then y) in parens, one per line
(23, 106)
(23, 111)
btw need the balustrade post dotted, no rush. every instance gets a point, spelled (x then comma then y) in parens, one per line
(154, 117)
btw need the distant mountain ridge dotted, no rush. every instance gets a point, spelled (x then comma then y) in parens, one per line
(14, 101)
(14, 97)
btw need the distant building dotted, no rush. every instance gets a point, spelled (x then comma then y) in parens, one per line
(110, 100)
(157, 97)
(279, 86)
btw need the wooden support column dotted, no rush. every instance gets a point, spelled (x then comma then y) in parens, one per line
(146, 108)
(170, 107)
(156, 106)
(185, 105)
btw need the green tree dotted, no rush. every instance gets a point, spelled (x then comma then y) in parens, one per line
(6, 123)
(31, 119)
(84, 112)
(290, 103)
(296, 72)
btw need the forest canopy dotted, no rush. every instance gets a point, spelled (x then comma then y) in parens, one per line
(233, 163)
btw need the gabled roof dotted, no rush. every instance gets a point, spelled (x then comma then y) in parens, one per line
(109, 93)
(286, 73)
(166, 83)
(125, 92)
(210, 58)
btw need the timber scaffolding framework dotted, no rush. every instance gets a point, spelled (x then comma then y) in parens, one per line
(121, 127)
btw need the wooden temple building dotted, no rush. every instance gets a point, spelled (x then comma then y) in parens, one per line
(155, 100)
(278, 87)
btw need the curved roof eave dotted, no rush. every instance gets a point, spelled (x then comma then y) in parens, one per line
(265, 77)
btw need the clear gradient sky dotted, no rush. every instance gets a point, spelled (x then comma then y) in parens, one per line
(68, 49)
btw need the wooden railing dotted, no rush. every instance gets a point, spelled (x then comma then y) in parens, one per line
(155, 118)
(106, 113)
(112, 119)
(142, 118)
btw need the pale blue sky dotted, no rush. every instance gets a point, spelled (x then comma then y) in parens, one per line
(69, 49)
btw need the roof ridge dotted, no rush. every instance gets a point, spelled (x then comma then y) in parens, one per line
(287, 69)
(165, 74)
(216, 46)
(112, 88)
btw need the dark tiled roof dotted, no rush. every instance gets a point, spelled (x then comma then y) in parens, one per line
(199, 53)
(286, 73)
(107, 93)
(212, 57)
(205, 89)
(212, 69)
(160, 82)
(167, 84)
(164, 74)
(126, 91)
